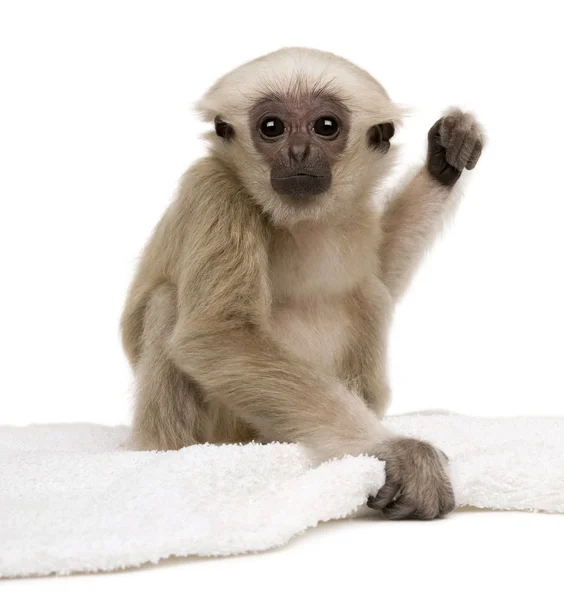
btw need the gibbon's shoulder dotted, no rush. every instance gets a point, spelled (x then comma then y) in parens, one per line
(214, 209)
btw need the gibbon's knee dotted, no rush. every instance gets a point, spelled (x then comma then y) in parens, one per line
(169, 413)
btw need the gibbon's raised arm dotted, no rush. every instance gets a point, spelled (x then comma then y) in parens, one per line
(416, 214)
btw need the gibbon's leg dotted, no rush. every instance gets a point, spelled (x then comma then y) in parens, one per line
(414, 217)
(169, 412)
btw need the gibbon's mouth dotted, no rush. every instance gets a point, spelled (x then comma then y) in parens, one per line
(301, 184)
(299, 174)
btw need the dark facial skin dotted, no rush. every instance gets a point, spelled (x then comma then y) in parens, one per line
(301, 139)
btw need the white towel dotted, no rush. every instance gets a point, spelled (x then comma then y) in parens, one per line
(70, 501)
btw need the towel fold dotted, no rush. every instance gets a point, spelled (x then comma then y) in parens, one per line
(71, 501)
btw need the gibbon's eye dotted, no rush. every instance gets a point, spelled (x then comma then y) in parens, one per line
(272, 127)
(326, 126)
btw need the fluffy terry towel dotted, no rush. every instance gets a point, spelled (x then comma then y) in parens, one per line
(70, 501)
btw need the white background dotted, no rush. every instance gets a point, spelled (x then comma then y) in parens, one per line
(96, 128)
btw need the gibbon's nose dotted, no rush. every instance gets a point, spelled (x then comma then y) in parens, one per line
(298, 150)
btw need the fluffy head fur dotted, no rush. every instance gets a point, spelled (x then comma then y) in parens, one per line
(300, 73)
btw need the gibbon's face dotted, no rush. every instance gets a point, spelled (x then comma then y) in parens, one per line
(300, 140)
(305, 156)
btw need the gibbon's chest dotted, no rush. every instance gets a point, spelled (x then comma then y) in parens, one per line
(311, 279)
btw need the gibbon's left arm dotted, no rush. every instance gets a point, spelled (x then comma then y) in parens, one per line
(414, 216)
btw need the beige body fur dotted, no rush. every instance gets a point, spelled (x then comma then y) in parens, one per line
(251, 317)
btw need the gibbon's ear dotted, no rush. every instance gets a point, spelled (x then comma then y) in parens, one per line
(379, 136)
(223, 129)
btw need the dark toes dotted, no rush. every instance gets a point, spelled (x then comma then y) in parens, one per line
(447, 125)
(474, 157)
(447, 503)
(458, 148)
(434, 136)
(398, 509)
(385, 495)
(404, 509)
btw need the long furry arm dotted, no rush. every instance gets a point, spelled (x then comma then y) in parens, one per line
(410, 223)
(416, 214)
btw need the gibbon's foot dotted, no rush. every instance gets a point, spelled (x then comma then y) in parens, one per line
(417, 483)
(455, 143)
